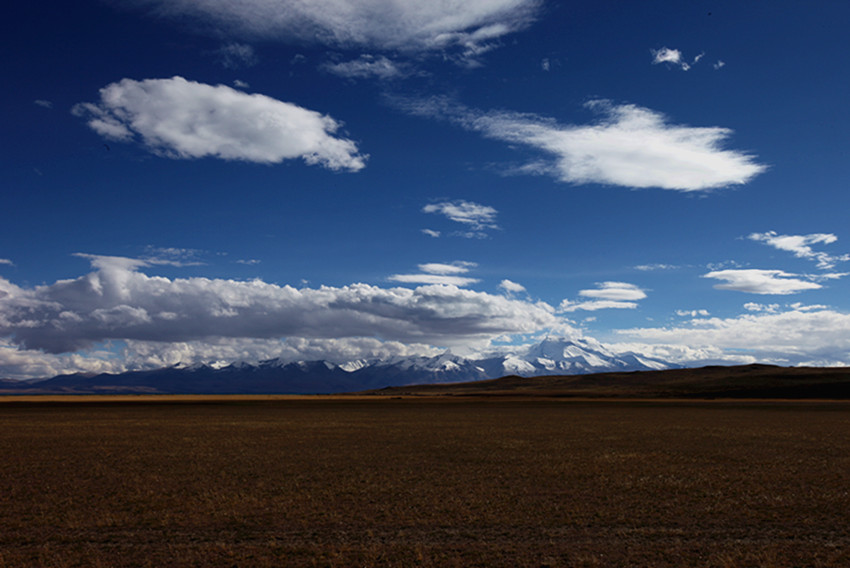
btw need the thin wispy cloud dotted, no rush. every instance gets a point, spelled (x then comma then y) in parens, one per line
(756, 281)
(177, 118)
(6, 261)
(801, 246)
(237, 55)
(476, 217)
(630, 146)
(369, 66)
(673, 58)
(467, 26)
(43, 103)
(653, 267)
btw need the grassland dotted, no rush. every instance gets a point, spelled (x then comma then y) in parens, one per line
(424, 482)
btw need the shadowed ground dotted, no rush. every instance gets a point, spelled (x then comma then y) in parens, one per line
(435, 482)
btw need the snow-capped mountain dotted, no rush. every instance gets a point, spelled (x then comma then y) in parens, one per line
(552, 356)
(576, 357)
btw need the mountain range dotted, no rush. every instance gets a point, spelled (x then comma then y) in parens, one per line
(552, 356)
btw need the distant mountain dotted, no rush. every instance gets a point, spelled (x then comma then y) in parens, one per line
(551, 356)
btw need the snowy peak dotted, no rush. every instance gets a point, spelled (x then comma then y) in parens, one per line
(575, 356)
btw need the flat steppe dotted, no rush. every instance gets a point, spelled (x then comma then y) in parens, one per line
(423, 481)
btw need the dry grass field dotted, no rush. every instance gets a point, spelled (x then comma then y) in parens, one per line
(424, 482)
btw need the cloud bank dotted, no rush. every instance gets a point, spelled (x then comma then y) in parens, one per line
(797, 335)
(117, 302)
(177, 118)
(629, 146)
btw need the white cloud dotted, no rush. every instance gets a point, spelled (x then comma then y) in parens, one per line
(439, 279)
(756, 281)
(631, 146)
(367, 66)
(439, 273)
(593, 305)
(667, 55)
(652, 267)
(43, 103)
(184, 119)
(117, 302)
(616, 291)
(469, 26)
(673, 57)
(719, 65)
(457, 267)
(756, 307)
(692, 313)
(479, 218)
(18, 363)
(6, 261)
(511, 287)
(237, 55)
(799, 245)
(606, 296)
(798, 335)
(431, 233)
(239, 84)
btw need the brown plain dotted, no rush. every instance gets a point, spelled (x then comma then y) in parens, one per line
(442, 481)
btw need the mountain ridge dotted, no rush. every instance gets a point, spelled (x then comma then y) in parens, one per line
(275, 376)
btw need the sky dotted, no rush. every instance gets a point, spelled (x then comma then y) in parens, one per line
(199, 181)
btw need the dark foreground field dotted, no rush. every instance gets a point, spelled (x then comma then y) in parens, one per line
(335, 482)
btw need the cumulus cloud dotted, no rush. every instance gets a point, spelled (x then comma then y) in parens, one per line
(800, 246)
(177, 118)
(756, 281)
(478, 218)
(468, 26)
(630, 146)
(692, 313)
(368, 66)
(118, 302)
(511, 287)
(134, 355)
(798, 335)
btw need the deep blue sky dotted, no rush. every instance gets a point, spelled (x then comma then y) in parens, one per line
(667, 177)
